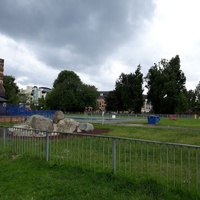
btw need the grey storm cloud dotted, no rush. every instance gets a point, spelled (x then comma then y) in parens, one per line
(75, 34)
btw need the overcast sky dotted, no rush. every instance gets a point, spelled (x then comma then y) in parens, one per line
(98, 40)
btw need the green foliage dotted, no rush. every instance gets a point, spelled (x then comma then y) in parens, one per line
(88, 95)
(70, 94)
(112, 100)
(41, 103)
(166, 87)
(182, 102)
(68, 78)
(11, 89)
(127, 95)
(23, 98)
(191, 98)
(137, 90)
(194, 98)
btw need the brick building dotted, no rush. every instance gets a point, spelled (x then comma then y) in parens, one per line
(3, 101)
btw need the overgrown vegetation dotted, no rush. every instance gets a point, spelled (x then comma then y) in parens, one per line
(11, 89)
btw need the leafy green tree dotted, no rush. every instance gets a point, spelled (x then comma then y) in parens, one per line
(87, 96)
(11, 89)
(122, 93)
(112, 101)
(194, 99)
(137, 90)
(128, 93)
(70, 94)
(23, 98)
(52, 99)
(166, 86)
(68, 78)
(155, 87)
(182, 105)
(192, 103)
(41, 103)
(198, 91)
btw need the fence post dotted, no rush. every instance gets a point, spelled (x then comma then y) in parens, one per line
(4, 137)
(114, 155)
(47, 146)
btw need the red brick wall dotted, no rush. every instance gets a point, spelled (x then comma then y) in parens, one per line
(4, 119)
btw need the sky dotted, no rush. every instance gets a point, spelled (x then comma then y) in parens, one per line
(98, 40)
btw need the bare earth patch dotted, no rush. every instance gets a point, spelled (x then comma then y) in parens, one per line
(98, 131)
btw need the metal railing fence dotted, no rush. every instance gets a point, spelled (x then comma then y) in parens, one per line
(176, 165)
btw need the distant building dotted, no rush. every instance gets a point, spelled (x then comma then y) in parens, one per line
(33, 93)
(101, 102)
(3, 101)
(39, 92)
(44, 91)
(147, 107)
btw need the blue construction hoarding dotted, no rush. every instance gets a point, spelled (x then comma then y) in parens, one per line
(21, 110)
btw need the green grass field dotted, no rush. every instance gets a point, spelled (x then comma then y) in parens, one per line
(184, 131)
(179, 122)
(26, 177)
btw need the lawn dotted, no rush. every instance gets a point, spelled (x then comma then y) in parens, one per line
(179, 122)
(32, 178)
(24, 177)
(184, 131)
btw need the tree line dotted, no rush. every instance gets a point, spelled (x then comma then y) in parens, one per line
(165, 83)
(69, 93)
(166, 90)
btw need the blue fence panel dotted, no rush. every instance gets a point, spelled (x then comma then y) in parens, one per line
(23, 111)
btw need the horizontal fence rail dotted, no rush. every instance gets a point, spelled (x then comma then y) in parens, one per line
(176, 165)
